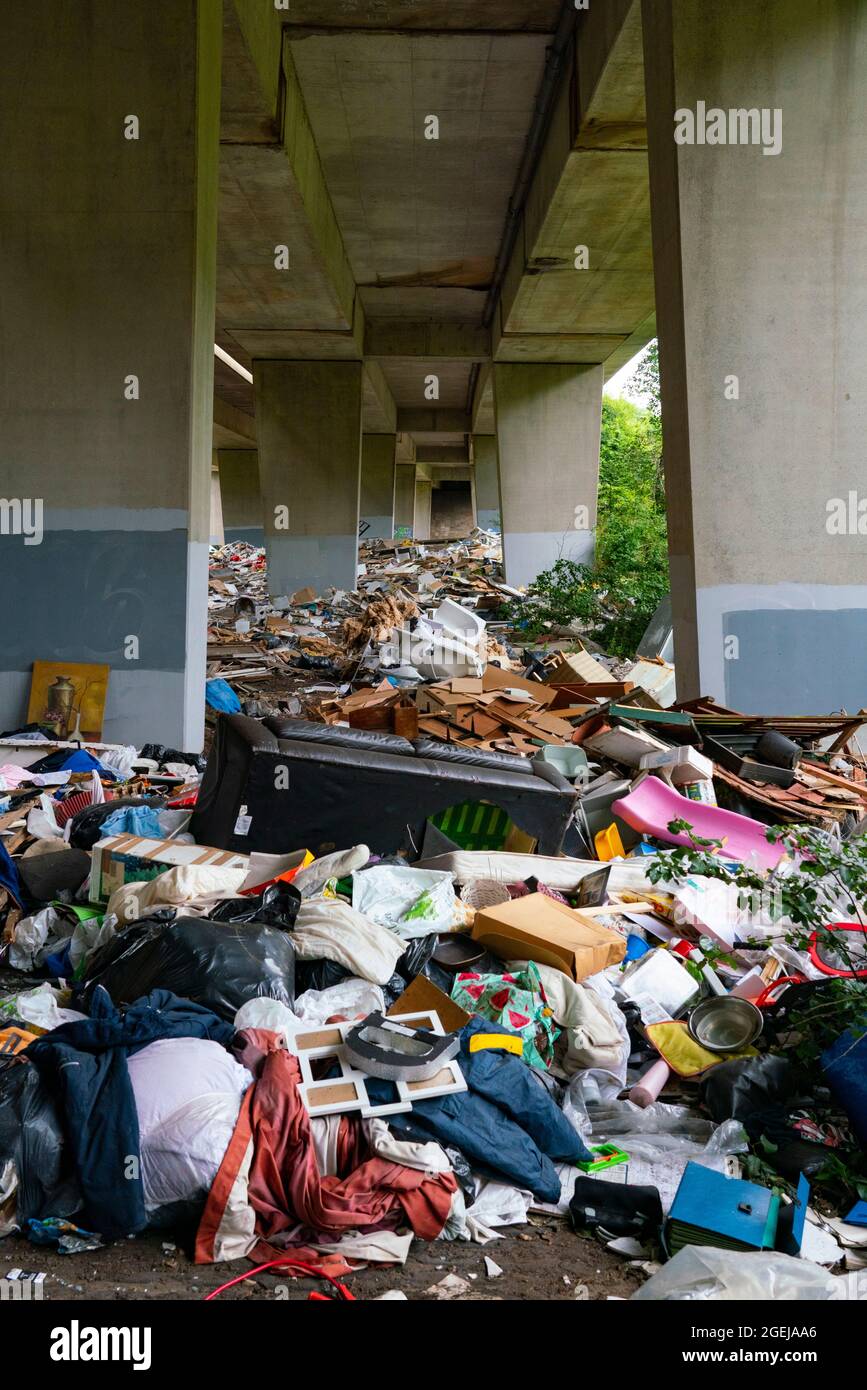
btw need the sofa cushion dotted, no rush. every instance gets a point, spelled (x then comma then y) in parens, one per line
(368, 740)
(471, 757)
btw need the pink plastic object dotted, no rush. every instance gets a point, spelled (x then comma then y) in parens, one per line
(652, 804)
(649, 1084)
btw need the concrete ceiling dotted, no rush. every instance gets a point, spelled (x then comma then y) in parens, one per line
(414, 211)
(394, 239)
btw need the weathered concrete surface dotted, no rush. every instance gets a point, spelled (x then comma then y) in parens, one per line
(551, 414)
(108, 274)
(243, 515)
(404, 497)
(377, 486)
(309, 421)
(760, 277)
(487, 482)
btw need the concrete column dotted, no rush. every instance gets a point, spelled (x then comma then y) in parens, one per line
(217, 535)
(548, 422)
(759, 251)
(308, 418)
(108, 182)
(404, 500)
(377, 486)
(243, 518)
(422, 510)
(486, 481)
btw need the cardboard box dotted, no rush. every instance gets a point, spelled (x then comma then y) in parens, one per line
(133, 859)
(539, 928)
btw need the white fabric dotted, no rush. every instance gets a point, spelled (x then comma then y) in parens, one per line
(428, 1158)
(188, 1093)
(185, 885)
(330, 928)
(592, 1035)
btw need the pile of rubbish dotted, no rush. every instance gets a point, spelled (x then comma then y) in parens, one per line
(442, 933)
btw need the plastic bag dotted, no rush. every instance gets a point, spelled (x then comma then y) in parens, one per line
(411, 902)
(85, 827)
(276, 906)
(351, 998)
(517, 1002)
(31, 1137)
(215, 964)
(706, 1273)
(40, 1007)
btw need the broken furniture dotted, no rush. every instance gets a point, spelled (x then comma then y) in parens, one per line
(276, 785)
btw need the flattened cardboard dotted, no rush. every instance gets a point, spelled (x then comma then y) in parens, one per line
(539, 928)
(423, 997)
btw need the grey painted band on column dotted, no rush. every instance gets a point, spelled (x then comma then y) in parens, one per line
(799, 648)
(378, 528)
(296, 562)
(79, 594)
(488, 520)
(253, 535)
(142, 706)
(528, 553)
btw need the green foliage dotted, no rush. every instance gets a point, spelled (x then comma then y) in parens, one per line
(616, 597)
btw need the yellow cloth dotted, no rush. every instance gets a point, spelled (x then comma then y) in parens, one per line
(676, 1045)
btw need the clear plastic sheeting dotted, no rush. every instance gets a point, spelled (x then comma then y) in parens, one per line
(703, 1273)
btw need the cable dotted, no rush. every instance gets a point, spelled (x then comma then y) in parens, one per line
(342, 1290)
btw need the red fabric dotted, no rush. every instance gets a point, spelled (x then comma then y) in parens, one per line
(285, 1187)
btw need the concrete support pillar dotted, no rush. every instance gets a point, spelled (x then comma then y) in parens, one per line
(308, 418)
(548, 423)
(486, 482)
(760, 245)
(243, 517)
(422, 510)
(217, 534)
(404, 500)
(377, 487)
(108, 181)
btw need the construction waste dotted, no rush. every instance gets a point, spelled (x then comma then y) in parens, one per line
(442, 932)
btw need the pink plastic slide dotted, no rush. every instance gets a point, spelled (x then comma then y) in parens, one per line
(652, 804)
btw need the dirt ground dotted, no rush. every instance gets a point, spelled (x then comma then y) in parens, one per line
(543, 1260)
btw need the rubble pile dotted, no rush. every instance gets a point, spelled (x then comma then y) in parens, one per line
(445, 931)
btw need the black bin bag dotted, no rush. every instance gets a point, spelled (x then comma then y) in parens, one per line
(219, 965)
(31, 1137)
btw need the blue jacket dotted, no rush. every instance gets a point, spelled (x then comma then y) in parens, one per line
(83, 1065)
(505, 1123)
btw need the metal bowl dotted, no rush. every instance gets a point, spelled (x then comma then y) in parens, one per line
(725, 1023)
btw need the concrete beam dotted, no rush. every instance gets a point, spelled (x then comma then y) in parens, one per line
(446, 341)
(589, 190)
(276, 195)
(379, 412)
(420, 421)
(233, 428)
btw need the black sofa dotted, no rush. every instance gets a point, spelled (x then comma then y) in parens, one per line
(290, 784)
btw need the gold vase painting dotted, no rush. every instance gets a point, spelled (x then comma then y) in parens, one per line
(67, 699)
